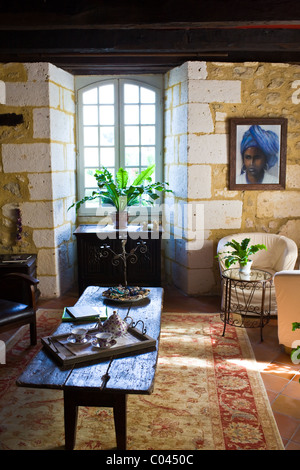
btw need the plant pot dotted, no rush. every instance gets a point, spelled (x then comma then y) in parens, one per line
(120, 219)
(247, 268)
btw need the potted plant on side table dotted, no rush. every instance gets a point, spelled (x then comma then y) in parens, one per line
(119, 194)
(240, 254)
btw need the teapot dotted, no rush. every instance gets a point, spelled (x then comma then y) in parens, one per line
(115, 325)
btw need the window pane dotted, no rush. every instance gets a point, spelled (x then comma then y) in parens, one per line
(90, 115)
(132, 156)
(131, 114)
(107, 136)
(148, 114)
(132, 174)
(131, 94)
(106, 115)
(148, 135)
(90, 181)
(90, 136)
(107, 156)
(147, 156)
(90, 96)
(91, 156)
(147, 96)
(132, 135)
(94, 202)
(106, 94)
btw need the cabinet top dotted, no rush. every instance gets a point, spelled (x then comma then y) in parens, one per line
(17, 260)
(107, 229)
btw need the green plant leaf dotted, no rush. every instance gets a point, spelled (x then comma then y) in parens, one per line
(145, 174)
(122, 178)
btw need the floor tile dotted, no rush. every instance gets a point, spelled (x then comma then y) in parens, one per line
(287, 425)
(273, 382)
(292, 446)
(287, 405)
(292, 390)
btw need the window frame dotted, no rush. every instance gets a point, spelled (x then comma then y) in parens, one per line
(84, 83)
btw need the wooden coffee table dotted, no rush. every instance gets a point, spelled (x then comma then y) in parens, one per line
(83, 385)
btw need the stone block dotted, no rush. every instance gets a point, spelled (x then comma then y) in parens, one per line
(2, 92)
(61, 77)
(40, 186)
(18, 158)
(41, 123)
(49, 286)
(197, 70)
(44, 238)
(210, 91)
(27, 94)
(55, 99)
(61, 184)
(211, 148)
(179, 120)
(47, 262)
(199, 181)
(293, 176)
(37, 214)
(37, 71)
(199, 119)
(68, 101)
(177, 75)
(222, 214)
(178, 180)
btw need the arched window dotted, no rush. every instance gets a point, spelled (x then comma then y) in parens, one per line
(119, 125)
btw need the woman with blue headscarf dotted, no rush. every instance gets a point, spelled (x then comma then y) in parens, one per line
(259, 150)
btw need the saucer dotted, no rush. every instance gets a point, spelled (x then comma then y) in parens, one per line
(109, 345)
(72, 340)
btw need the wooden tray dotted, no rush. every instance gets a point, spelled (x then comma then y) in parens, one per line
(68, 354)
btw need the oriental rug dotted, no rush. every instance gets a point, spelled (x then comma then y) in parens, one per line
(208, 395)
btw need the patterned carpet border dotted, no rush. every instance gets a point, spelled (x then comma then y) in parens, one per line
(208, 395)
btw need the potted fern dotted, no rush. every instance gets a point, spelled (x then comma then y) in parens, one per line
(240, 254)
(119, 194)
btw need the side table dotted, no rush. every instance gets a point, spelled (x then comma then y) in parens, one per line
(240, 309)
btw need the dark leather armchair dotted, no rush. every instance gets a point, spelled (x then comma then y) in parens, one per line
(17, 303)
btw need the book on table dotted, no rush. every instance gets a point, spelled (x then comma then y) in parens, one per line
(84, 312)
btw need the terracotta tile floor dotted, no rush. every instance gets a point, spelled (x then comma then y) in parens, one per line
(279, 374)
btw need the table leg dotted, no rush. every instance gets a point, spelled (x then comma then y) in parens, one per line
(227, 304)
(74, 398)
(70, 418)
(262, 310)
(120, 419)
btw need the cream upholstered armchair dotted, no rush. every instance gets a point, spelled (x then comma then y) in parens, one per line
(281, 254)
(287, 287)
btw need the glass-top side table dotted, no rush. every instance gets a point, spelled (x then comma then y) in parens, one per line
(247, 298)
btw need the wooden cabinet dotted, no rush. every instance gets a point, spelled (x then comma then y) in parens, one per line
(100, 262)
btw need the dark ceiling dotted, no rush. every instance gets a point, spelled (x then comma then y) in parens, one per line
(92, 37)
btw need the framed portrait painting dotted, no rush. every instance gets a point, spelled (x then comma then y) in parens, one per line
(257, 153)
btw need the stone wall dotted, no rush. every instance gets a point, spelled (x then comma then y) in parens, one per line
(38, 170)
(37, 163)
(200, 98)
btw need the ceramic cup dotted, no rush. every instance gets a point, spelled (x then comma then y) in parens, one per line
(103, 339)
(79, 334)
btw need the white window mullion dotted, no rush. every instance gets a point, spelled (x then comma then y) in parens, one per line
(121, 127)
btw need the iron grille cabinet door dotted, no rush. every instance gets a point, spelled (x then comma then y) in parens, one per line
(99, 261)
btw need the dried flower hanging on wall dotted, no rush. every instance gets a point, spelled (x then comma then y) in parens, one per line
(19, 226)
